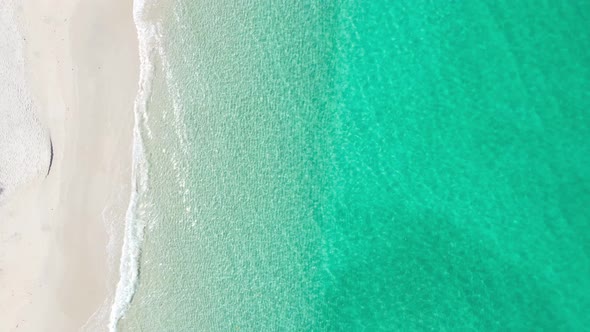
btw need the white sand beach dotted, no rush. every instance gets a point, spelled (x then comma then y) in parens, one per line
(58, 262)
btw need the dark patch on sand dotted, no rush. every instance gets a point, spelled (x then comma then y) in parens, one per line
(50, 155)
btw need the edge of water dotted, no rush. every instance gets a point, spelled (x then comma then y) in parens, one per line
(134, 225)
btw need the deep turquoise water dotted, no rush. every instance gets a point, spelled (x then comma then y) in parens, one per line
(368, 166)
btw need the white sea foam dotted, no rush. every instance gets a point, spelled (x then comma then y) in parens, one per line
(134, 224)
(150, 49)
(24, 142)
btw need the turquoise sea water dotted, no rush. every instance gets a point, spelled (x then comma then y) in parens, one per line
(367, 166)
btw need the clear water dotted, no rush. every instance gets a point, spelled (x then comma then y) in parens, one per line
(366, 166)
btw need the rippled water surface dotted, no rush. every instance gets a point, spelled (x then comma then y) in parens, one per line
(367, 165)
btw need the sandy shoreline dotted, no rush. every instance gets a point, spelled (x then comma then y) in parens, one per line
(58, 266)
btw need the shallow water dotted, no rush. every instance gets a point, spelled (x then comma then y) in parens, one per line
(366, 166)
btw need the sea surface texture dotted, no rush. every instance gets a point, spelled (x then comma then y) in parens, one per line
(363, 166)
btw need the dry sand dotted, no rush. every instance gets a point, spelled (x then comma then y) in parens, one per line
(58, 269)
